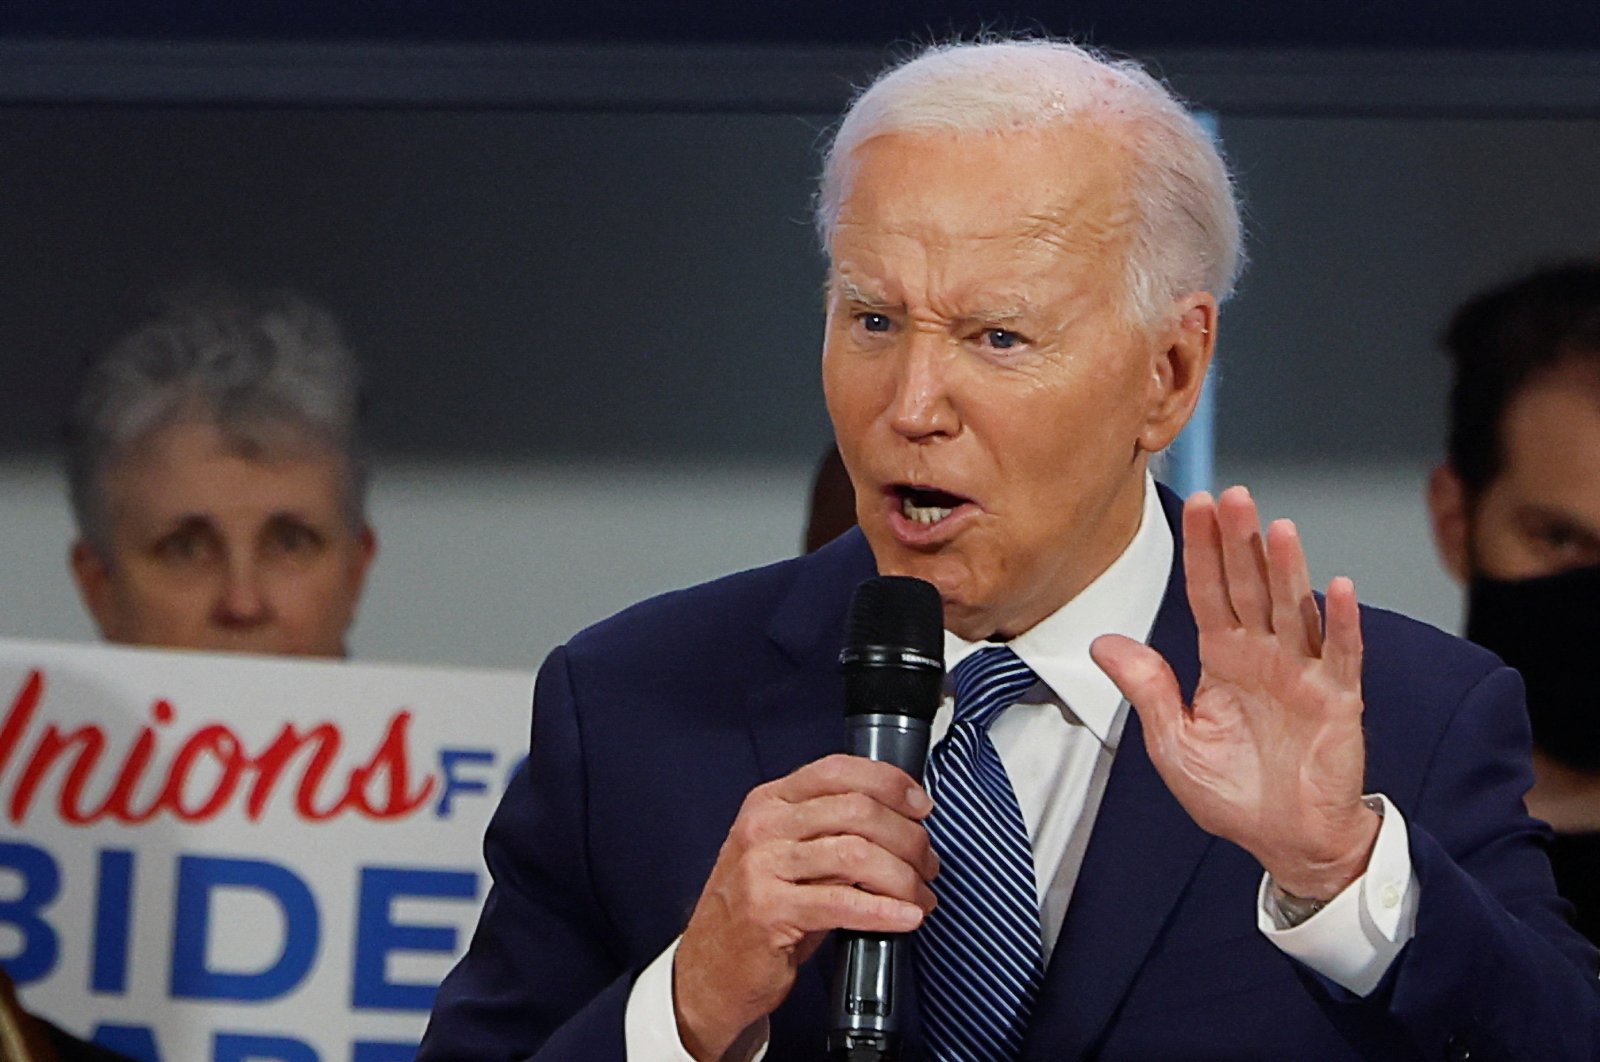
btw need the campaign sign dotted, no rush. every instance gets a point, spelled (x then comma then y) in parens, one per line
(244, 859)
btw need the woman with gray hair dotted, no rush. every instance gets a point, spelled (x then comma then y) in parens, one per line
(217, 479)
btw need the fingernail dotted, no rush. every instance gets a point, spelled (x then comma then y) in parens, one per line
(909, 914)
(918, 799)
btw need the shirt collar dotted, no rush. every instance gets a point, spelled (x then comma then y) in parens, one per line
(1123, 599)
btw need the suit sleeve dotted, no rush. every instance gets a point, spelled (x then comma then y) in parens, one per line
(544, 978)
(1494, 970)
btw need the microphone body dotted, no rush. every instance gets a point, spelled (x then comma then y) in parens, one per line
(893, 664)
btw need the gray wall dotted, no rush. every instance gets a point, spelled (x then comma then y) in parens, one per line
(593, 335)
(1365, 233)
(530, 286)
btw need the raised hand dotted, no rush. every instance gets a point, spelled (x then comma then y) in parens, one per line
(838, 844)
(1270, 754)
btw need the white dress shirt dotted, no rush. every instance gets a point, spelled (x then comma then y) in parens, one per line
(1057, 743)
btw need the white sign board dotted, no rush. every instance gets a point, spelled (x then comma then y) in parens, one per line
(229, 858)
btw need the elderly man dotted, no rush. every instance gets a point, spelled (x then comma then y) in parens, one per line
(217, 483)
(1308, 841)
(1516, 514)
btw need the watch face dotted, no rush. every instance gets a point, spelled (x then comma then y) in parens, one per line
(1293, 910)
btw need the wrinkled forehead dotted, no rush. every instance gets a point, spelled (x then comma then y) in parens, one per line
(1068, 183)
(993, 211)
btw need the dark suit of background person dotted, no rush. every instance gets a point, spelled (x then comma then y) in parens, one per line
(981, 333)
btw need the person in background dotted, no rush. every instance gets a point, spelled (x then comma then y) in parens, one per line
(26, 1037)
(833, 502)
(218, 485)
(217, 479)
(23, 1038)
(1516, 517)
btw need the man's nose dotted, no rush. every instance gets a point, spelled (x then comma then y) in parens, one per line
(243, 601)
(922, 401)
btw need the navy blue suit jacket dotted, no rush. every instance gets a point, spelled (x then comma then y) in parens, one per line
(650, 728)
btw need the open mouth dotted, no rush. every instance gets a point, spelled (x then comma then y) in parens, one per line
(927, 505)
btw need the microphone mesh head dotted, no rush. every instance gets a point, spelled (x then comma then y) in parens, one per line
(899, 611)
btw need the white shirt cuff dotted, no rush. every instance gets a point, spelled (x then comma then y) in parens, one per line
(1355, 939)
(650, 1023)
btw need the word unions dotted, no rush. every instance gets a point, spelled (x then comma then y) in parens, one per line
(55, 780)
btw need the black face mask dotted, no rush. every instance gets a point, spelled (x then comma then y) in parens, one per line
(1548, 629)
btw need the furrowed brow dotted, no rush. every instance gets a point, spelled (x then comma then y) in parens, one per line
(994, 309)
(850, 291)
(1006, 314)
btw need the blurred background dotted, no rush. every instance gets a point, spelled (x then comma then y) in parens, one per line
(571, 245)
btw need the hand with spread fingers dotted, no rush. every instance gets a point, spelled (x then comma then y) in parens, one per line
(1270, 754)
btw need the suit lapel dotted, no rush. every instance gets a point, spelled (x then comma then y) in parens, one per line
(1142, 853)
(797, 713)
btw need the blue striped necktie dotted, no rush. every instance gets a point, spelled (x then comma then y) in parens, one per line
(979, 951)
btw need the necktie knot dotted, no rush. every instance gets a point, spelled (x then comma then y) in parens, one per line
(987, 683)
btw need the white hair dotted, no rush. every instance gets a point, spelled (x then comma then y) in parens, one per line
(268, 369)
(1187, 236)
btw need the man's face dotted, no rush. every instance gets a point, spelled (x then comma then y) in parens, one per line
(214, 550)
(992, 404)
(1541, 514)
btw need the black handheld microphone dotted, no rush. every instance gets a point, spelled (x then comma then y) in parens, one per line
(893, 664)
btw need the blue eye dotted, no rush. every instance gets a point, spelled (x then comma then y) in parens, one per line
(1002, 338)
(875, 322)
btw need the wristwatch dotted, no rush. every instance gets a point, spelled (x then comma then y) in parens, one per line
(1287, 909)
(1290, 910)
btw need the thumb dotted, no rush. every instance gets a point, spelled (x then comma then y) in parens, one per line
(1144, 677)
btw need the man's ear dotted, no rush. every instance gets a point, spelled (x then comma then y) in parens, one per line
(1447, 506)
(93, 576)
(1178, 370)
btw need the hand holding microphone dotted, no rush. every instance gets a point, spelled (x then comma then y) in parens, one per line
(838, 844)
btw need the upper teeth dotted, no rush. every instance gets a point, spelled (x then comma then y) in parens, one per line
(923, 514)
